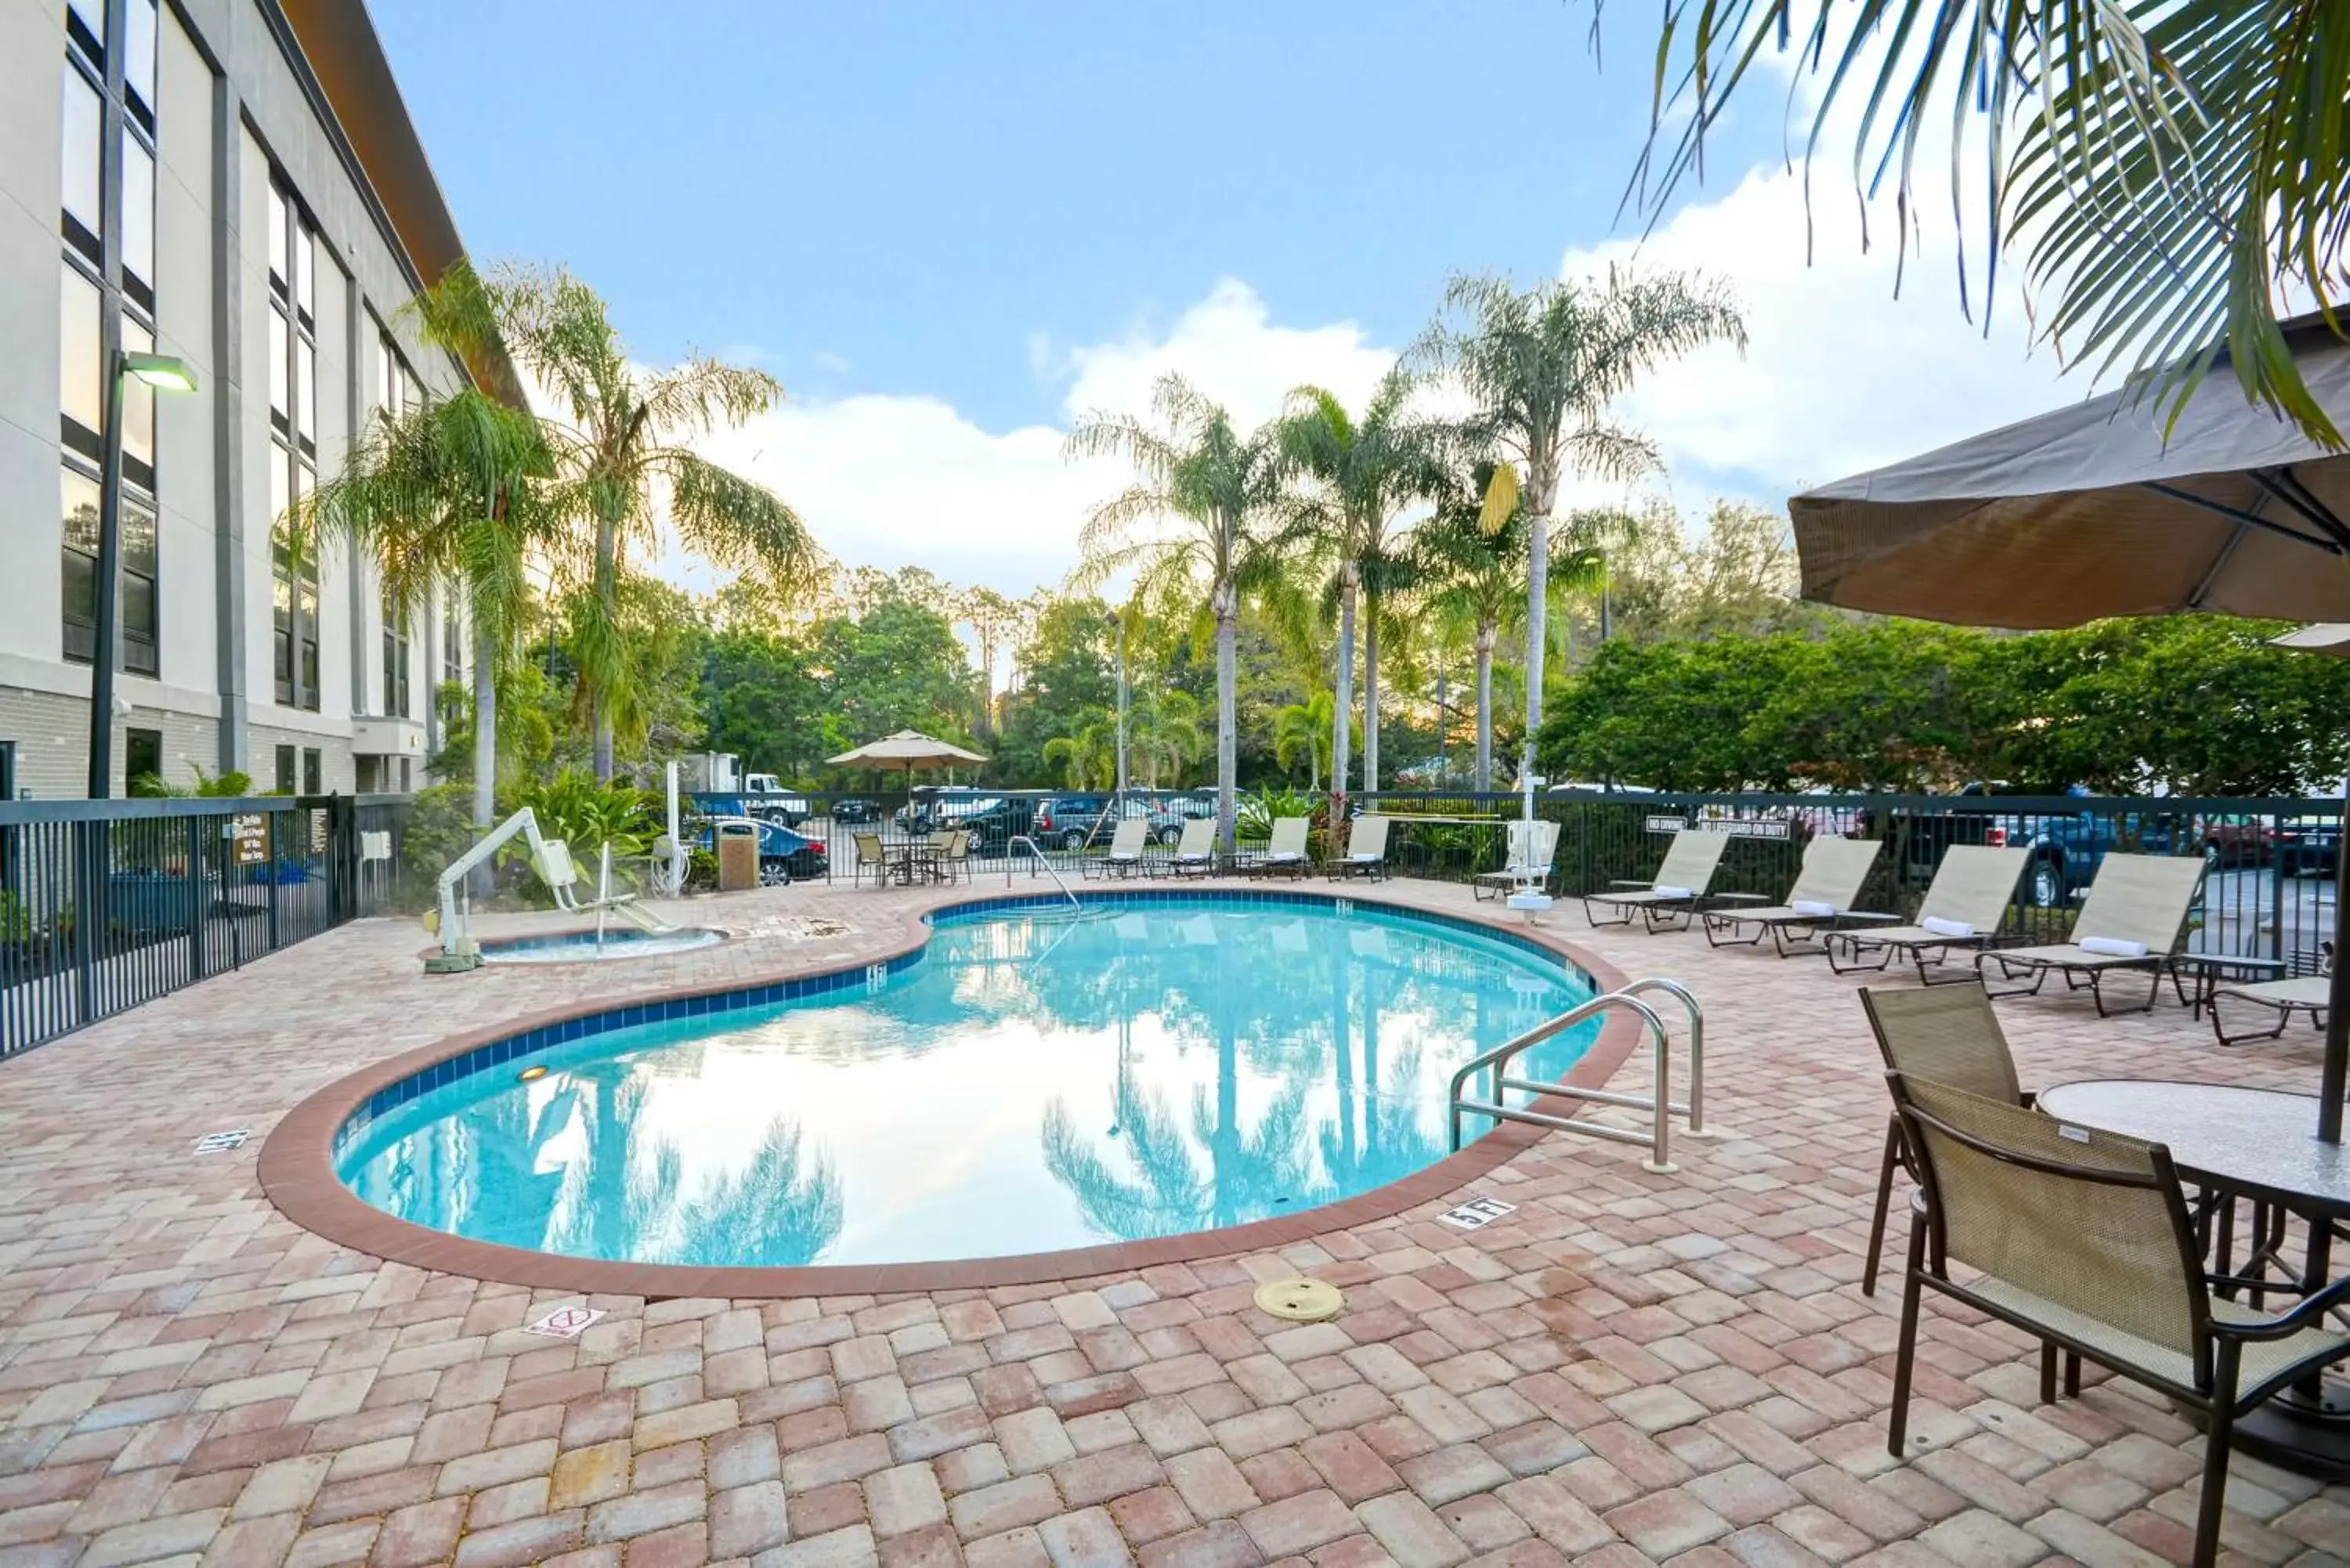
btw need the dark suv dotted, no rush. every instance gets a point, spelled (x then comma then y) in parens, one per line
(1073, 821)
(993, 826)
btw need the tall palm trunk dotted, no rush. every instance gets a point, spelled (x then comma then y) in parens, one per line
(485, 739)
(1343, 707)
(1485, 640)
(1542, 474)
(1371, 696)
(1228, 618)
(1443, 726)
(606, 598)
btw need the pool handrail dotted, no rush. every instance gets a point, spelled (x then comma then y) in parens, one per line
(1660, 1105)
(1018, 839)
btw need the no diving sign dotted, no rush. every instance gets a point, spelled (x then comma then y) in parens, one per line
(563, 1322)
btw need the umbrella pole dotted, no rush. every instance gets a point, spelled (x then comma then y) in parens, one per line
(2335, 1079)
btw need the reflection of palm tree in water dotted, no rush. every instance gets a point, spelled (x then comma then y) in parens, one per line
(770, 1213)
(624, 1197)
(1250, 1174)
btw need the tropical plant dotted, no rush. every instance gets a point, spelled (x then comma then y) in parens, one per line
(1473, 576)
(1088, 757)
(620, 471)
(1164, 735)
(1303, 731)
(588, 814)
(1363, 474)
(446, 495)
(1218, 489)
(233, 785)
(2173, 170)
(1542, 369)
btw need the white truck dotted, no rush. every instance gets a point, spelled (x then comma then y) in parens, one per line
(717, 784)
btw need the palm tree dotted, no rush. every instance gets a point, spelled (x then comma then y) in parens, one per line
(1364, 475)
(1218, 489)
(1303, 731)
(2174, 171)
(1475, 577)
(1164, 734)
(1088, 757)
(1542, 367)
(447, 494)
(619, 474)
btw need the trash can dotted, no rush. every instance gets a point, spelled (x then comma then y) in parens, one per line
(738, 856)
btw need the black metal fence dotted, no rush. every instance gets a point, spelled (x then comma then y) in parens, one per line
(108, 904)
(2268, 892)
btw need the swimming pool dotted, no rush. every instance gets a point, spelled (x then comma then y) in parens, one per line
(1025, 1083)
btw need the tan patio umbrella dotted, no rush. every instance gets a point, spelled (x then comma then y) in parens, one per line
(908, 749)
(2089, 511)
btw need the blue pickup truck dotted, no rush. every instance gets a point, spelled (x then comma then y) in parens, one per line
(2068, 846)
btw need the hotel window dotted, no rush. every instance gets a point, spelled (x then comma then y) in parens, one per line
(294, 446)
(312, 781)
(102, 221)
(395, 660)
(285, 769)
(452, 655)
(142, 761)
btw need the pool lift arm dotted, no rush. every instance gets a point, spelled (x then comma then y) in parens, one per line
(551, 858)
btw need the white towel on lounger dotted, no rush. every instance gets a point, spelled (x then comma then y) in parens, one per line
(1942, 927)
(1663, 891)
(1814, 908)
(2112, 947)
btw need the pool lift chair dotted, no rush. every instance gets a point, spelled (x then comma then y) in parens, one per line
(551, 858)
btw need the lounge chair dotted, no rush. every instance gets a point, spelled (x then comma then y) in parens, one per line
(1532, 846)
(1366, 849)
(1680, 882)
(1826, 886)
(2310, 993)
(2083, 1239)
(1127, 846)
(1965, 906)
(1286, 852)
(1944, 1036)
(2130, 920)
(954, 857)
(1195, 851)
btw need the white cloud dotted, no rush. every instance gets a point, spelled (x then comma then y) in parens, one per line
(908, 481)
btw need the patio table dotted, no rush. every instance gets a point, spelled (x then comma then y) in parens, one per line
(2261, 1144)
(907, 861)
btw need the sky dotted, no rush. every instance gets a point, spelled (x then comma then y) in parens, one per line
(952, 231)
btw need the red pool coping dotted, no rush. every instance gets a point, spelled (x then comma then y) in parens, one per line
(297, 1172)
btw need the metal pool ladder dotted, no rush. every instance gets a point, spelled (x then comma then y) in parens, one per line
(1018, 839)
(1660, 1106)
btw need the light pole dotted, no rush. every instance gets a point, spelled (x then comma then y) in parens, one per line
(165, 374)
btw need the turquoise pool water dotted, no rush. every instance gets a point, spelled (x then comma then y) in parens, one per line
(613, 943)
(1030, 1084)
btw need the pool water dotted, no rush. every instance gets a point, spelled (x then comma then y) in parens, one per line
(587, 946)
(1030, 1084)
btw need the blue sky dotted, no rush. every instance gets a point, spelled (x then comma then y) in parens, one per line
(946, 228)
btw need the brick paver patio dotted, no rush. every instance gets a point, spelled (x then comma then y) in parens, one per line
(1627, 1369)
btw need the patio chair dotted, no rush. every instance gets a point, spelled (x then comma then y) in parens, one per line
(1530, 849)
(2082, 1239)
(1688, 871)
(1942, 1037)
(1287, 853)
(869, 862)
(954, 857)
(1965, 906)
(1367, 850)
(1195, 851)
(2130, 920)
(1127, 848)
(1827, 885)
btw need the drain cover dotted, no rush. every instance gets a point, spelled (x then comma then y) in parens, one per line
(1300, 1300)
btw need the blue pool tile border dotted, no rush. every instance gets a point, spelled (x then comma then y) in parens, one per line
(514, 1047)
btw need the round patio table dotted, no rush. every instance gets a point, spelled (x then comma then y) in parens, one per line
(2260, 1143)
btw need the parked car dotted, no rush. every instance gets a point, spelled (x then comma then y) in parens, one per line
(996, 823)
(785, 855)
(2230, 843)
(1070, 821)
(931, 809)
(1168, 817)
(855, 809)
(2308, 849)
